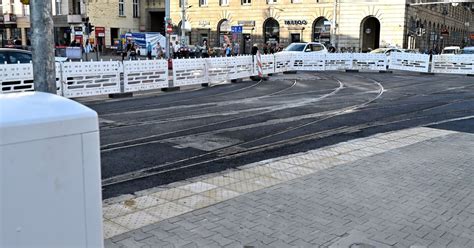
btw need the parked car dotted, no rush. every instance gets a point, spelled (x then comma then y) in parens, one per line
(411, 51)
(387, 51)
(467, 50)
(14, 56)
(451, 50)
(299, 47)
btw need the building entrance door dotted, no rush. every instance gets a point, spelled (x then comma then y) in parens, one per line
(370, 34)
(157, 21)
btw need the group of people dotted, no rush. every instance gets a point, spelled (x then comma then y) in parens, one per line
(271, 48)
(16, 43)
(132, 50)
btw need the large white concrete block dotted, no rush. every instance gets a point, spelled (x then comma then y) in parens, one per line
(50, 184)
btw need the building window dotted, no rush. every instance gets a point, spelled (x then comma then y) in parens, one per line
(246, 2)
(271, 30)
(271, 1)
(121, 7)
(58, 7)
(322, 30)
(224, 2)
(136, 8)
(202, 2)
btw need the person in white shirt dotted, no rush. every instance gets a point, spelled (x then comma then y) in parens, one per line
(176, 49)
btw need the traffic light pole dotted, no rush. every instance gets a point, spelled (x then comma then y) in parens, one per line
(167, 18)
(42, 46)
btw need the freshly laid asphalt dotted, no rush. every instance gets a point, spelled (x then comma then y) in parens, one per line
(155, 139)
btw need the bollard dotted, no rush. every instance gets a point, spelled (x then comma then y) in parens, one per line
(50, 189)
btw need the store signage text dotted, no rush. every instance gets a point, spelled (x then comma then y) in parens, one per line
(246, 23)
(296, 22)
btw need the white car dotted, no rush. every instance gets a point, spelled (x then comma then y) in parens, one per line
(387, 51)
(14, 56)
(303, 47)
(451, 50)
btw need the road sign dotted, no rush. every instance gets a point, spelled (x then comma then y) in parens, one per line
(236, 29)
(169, 29)
(444, 32)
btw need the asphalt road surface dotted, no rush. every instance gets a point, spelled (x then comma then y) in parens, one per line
(156, 139)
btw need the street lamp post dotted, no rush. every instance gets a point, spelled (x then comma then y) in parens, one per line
(334, 25)
(42, 46)
(167, 21)
(183, 21)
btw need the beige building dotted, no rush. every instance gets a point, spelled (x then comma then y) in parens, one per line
(360, 25)
(111, 18)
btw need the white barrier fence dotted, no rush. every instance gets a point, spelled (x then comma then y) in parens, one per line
(141, 75)
(455, 64)
(78, 79)
(410, 62)
(90, 78)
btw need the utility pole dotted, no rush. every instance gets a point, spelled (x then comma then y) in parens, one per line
(42, 46)
(183, 21)
(334, 25)
(167, 20)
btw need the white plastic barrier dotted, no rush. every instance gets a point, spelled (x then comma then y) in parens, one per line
(189, 72)
(145, 75)
(19, 78)
(241, 67)
(16, 77)
(409, 62)
(369, 61)
(309, 62)
(218, 68)
(268, 64)
(90, 78)
(456, 64)
(338, 61)
(283, 62)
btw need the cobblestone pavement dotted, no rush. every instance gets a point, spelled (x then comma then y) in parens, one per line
(410, 188)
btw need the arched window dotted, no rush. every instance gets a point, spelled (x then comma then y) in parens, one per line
(370, 33)
(271, 30)
(223, 30)
(322, 30)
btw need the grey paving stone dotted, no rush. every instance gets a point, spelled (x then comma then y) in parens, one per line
(415, 195)
(109, 244)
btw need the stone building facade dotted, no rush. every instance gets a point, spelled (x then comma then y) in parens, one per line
(360, 25)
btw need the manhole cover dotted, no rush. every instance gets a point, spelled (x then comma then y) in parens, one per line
(361, 245)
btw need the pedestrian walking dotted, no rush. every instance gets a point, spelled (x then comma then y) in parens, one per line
(228, 50)
(204, 49)
(236, 49)
(149, 49)
(176, 50)
(254, 49)
(133, 52)
(159, 51)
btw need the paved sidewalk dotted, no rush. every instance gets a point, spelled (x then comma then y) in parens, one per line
(400, 189)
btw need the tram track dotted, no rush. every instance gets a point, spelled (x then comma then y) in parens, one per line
(145, 140)
(197, 164)
(149, 171)
(178, 101)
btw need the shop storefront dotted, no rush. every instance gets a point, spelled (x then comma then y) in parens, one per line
(271, 30)
(224, 32)
(322, 30)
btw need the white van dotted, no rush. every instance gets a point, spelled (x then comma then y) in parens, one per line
(451, 50)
